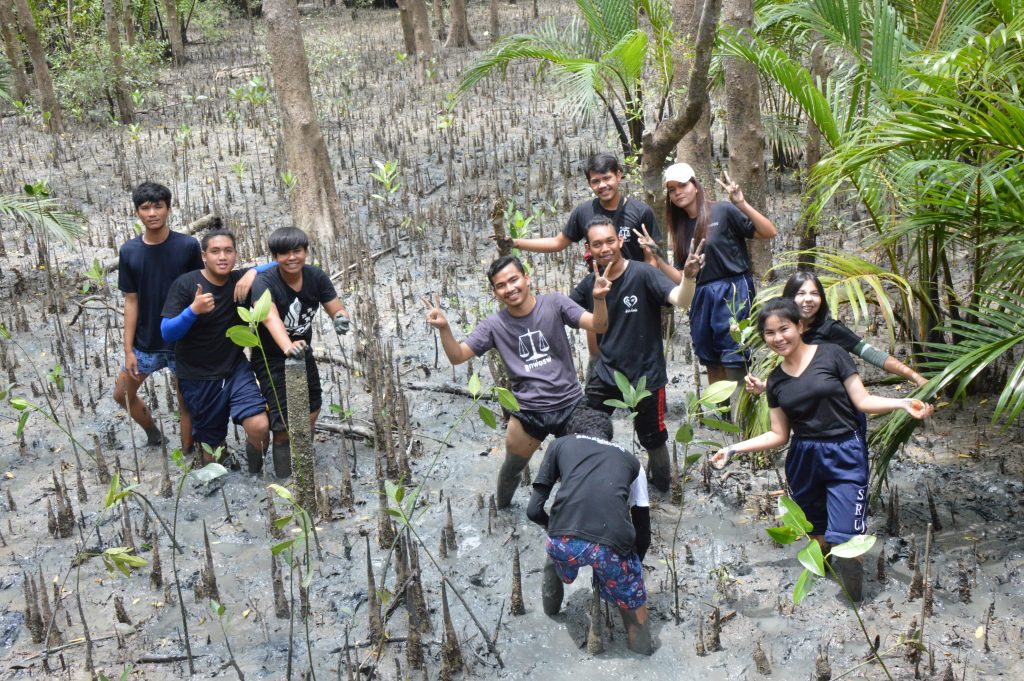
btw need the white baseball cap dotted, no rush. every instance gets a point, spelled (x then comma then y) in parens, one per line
(679, 172)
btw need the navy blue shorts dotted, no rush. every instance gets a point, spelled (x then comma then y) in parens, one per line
(714, 304)
(212, 402)
(828, 479)
(540, 424)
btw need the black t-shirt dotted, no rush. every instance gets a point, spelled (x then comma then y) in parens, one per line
(149, 270)
(592, 501)
(205, 352)
(632, 343)
(815, 402)
(296, 308)
(630, 215)
(725, 250)
(832, 331)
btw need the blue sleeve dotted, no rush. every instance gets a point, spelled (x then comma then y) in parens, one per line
(265, 266)
(176, 328)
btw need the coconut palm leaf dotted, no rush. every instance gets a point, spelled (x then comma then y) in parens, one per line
(6, 81)
(45, 213)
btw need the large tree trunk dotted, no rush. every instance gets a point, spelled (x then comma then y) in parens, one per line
(406, 21)
(812, 154)
(659, 142)
(458, 34)
(695, 146)
(124, 101)
(173, 27)
(314, 200)
(421, 27)
(494, 20)
(129, 21)
(439, 28)
(15, 56)
(744, 129)
(47, 98)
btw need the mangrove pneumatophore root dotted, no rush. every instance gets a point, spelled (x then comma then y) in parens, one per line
(517, 607)
(822, 667)
(595, 642)
(449, 529)
(101, 462)
(156, 574)
(451, 653)
(713, 634)
(281, 608)
(761, 662)
(375, 625)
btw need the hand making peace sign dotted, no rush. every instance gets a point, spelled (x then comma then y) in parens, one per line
(694, 260)
(602, 285)
(648, 243)
(733, 189)
(435, 317)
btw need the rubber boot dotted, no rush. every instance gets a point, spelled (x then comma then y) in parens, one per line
(509, 477)
(638, 634)
(659, 468)
(552, 589)
(850, 572)
(282, 459)
(254, 455)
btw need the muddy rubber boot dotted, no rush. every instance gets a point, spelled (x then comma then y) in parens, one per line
(254, 456)
(638, 634)
(509, 476)
(659, 468)
(153, 437)
(282, 460)
(552, 589)
(850, 572)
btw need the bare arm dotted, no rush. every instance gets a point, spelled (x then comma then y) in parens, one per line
(873, 404)
(547, 244)
(457, 352)
(333, 307)
(280, 334)
(898, 368)
(131, 322)
(776, 437)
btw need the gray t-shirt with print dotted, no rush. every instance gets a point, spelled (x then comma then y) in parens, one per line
(535, 350)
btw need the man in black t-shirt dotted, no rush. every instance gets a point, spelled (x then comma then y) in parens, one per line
(603, 174)
(633, 345)
(297, 290)
(600, 517)
(214, 376)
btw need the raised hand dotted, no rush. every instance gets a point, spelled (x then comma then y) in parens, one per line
(203, 302)
(602, 285)
(435, 317)
(694, 260)
(504, 243)
(731, 188)
(647, 242)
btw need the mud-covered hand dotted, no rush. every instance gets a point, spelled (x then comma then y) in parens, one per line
(341, 323)
(694, 260)
(504, 243)
(203, 302)
(720, 458)
(754, 385)
(435, 317)
(244, 285)
(602, 286)
(297, 350)
(648, 243)
(918, 409)
(731, 188)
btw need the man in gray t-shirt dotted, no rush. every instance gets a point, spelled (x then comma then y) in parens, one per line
(529, 334)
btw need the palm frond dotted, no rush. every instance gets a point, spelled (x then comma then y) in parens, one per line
(6, 81)
(609, 20)
(47, 214)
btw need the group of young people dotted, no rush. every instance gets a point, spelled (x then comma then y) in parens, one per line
(599, 516)
(180, 299)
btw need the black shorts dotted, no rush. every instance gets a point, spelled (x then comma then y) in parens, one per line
(540, 424)
(279, 418)
(650, 413)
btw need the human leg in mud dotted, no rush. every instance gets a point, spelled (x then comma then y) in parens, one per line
(297, 291)
(147, 266)
(529, 334)
(599, 482)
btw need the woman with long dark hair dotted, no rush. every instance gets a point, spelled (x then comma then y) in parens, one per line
(816, 393)
(819, 327)
(725, 286)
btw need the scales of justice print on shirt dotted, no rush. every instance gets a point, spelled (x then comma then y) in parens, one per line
(297, 322)
(533, 349)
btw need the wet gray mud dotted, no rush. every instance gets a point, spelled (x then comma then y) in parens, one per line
(507, 137)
